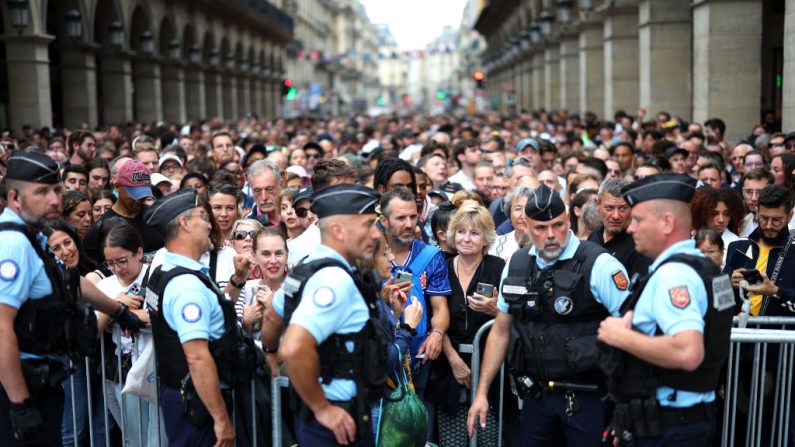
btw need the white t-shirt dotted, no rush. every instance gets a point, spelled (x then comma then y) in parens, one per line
(301, 246)
(111, 287)
(462, 179)
(224, 269)
(505, 246)
(748, 225)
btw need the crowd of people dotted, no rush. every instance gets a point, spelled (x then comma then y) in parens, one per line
(459, 216)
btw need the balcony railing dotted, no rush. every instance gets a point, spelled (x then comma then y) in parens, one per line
(265, 8)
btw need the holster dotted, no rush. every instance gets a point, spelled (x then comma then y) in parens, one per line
(42, 375)
(193, 408)
(637, 418)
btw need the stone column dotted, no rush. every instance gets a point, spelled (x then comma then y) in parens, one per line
(538, 79)
(231, 111)
(570, 73)
(214, 93)
(527, 82)
(552, 77)
(79, 79)
(147, 94)
(243, 94)
(592, 71)
(256, 93)
(665, 38)
(174, 96)
(117, 88)
(727, 32)
(788, 83)
(195, 93)
(520, 92)
(621, 58)
(28, 67)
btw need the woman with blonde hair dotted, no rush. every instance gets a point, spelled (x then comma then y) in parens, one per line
(465, 197)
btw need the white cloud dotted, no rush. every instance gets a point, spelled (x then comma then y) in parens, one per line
(414, 23)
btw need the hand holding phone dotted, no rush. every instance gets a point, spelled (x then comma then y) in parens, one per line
(752, 276)
(485, 289)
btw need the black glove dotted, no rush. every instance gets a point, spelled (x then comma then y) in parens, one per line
(127, 320)
(26, 420)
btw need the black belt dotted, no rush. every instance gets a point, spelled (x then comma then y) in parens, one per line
(675, 417)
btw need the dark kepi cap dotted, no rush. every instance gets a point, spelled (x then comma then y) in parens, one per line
(33, 167)
(166, 208)
(344, 198)
(666, 185)
(675, 150)
(305, 192)
(544, 205)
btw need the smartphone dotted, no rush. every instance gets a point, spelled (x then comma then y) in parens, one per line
(402, 276)
(420, 356)
(752, 276)
(484, 289)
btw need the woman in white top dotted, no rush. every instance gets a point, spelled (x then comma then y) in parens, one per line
(124, 255)
(513, 207)
(718, 209)
(270, 253)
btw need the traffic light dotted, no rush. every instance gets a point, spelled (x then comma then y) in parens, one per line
(288, 91)
(479, 76)
(441, 95)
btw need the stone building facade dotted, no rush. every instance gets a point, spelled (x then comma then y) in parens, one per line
(696, 59)
(114, 61)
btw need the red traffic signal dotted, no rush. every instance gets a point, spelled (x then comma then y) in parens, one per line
(288, 83)
(478, 75)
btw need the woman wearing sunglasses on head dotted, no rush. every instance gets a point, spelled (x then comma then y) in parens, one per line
(243, 233)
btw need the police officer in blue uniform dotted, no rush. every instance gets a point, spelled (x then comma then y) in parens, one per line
(194, 329)
(552, 298)
(664, 354)
(42, 323)
(333, 348)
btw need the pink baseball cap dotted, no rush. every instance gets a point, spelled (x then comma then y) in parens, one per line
(135, 178)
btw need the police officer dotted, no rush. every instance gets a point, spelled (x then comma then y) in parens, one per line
(194, 329)
(334, 351)
(552, 298)
(665, 352)
(41, 321)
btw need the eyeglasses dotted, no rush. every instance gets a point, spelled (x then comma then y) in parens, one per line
(772, 145)
(754, 164)
(790, 146)
(313, 155)
(748, 192)
(301, 211)
(764, 220)
(120, 263)
(169, 168)
(240, 235)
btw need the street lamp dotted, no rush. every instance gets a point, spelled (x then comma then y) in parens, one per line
(116, 34)
(174, 49)
(525, 40)
(74, 24)
(535, 32)
(230, 61)
(215, 58)
(564, 11)
(147, 42)
(18, 9)
(195, 54)
(545, 21)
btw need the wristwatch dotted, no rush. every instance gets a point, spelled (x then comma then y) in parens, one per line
(236, 285)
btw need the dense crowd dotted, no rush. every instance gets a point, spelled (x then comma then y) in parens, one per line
(459, 183)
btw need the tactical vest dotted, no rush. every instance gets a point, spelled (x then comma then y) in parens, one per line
(630, 377)
(366, 364)
(234, 354)
(58, 323)
(556, 317)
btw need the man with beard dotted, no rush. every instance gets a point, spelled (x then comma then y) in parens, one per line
(768, 251)
(429, 279)
(41, 321)
(552, 298)
(82, 145)
(265, 180)
(612, 234)
(133, 185)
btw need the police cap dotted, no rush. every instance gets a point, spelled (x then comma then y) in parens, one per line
(544, 205)
(666, 185)
(303, 193)
(166, 208)
(33, 167)
(344, 198)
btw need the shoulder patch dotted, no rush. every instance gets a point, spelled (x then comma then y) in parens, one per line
(8, 270)
(323, 297)
(679, 296)
(620, 280)
(191, 312)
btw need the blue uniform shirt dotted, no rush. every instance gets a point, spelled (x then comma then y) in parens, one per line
(675, 300)
(189, 307)
(603, 287)
(330, 304)
(22, 275)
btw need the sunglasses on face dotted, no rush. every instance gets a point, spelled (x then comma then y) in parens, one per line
(241, 235)
(301, 212)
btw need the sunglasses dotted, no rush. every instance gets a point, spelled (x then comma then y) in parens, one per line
(301, 212)
(313, 155)
(241, 235)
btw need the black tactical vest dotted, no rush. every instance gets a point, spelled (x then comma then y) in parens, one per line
(630, 377)
(366, 364)
(58, 323)
(234, 354)
(555, 316)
